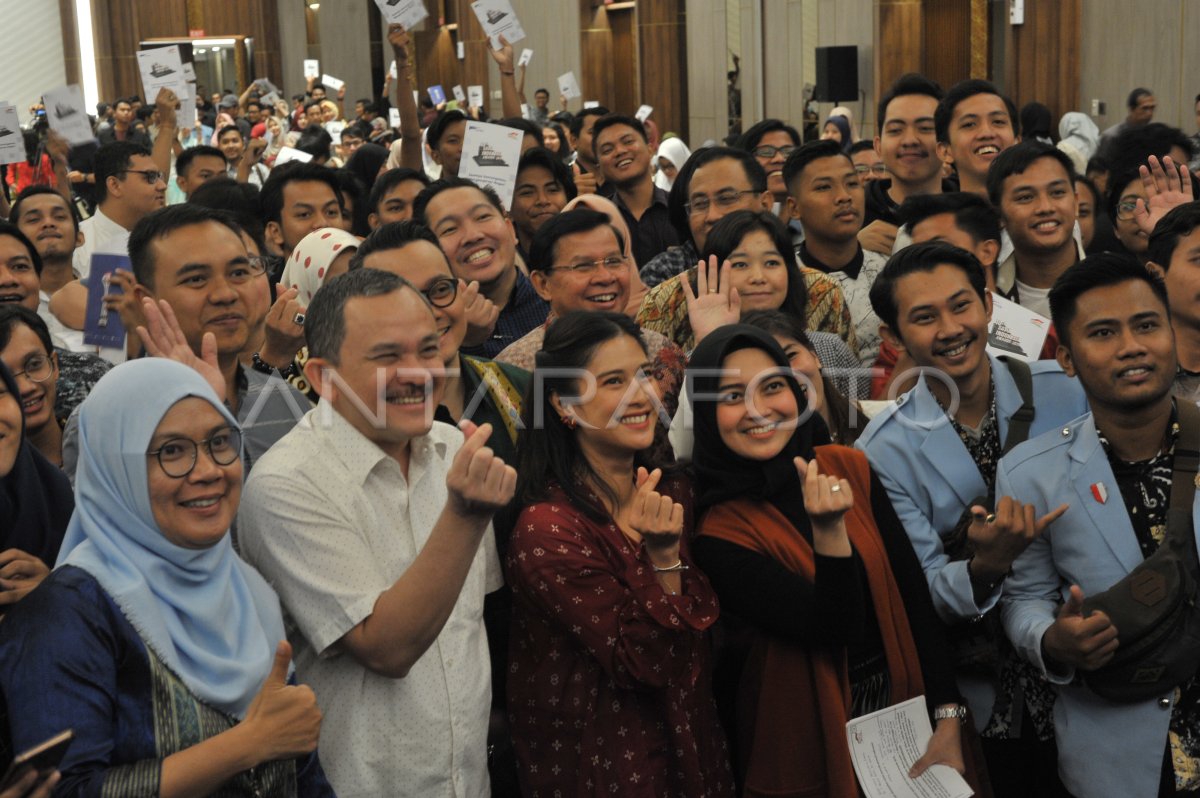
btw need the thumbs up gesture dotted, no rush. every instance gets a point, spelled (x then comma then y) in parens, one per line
(1083, 642)
(284, 718)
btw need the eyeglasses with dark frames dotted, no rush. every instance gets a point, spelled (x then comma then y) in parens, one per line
(442, 292)
(177, 456)
(151, 176)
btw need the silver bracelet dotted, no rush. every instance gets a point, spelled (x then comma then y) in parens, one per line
(678, 566)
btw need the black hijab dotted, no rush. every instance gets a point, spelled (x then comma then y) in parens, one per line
(36, 500)
(723, 475)
(366, 162)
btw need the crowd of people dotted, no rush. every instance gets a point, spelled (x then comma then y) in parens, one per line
(644, 483)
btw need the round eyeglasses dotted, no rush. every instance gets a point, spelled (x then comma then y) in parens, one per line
(177, 456)
(37, 368)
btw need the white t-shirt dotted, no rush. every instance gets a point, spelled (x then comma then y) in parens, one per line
(1035, 299)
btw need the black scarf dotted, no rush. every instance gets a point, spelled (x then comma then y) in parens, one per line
(36, 500)
(723, 475)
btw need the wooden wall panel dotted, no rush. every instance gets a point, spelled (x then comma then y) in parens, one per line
(947, 37)
(1043, 55)
(118, 26)
(662, 37)
(900, 39)
(596, 78)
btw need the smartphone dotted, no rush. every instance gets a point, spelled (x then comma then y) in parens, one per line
(43, 757)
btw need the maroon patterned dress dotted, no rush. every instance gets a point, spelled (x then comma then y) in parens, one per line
(609, 688)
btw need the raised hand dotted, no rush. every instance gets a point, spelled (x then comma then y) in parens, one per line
(715, 301)
(827, 499)
(657, 518)
(585, 182)
(125, 303)
(1167, 186)
(879, 236)
(163, 337)
(1085, 643)
(166, 103)
(503, 56)
(284, 718)
(398, 37)
(1000, 538)
(285, 336)
(480, 311)
(479, 482)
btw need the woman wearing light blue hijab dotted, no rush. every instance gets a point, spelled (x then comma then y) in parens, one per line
(152, 640)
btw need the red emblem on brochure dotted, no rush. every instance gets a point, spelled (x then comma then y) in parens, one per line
(1099, 492)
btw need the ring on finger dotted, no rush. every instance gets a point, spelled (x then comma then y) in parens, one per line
(990, 519)
(835, 488)
(298, 319)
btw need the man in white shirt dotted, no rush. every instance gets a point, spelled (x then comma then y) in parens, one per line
(373, 523)
(1032, 184)
(129, 187)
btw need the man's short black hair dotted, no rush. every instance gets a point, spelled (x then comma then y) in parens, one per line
(540, 156)
(184, 162)
(113, 159)
(921, 258)
(912, 83)
(271, 196)
(862, 145)
(325, 318)
(794, 166)
(437, 128)
(394, 235)
(679, 196)
(1096, 271)
(1019, 157)
(525, 126)
(544, 248)
(254, 104)
(1179, 222)
(1134, 145)
(356, 130)
(577, 120)
(1136, 96)
(315, 140)
(14, 215)
(542, 91)
(230, 129)
(974, 215)
(239, 200)
(163, 222)
(613, 120)
(750, 139)
(964, 90)
(12, 231)
(445, 184)
(389, 180)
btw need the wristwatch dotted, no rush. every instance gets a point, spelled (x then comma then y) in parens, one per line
(957, 711)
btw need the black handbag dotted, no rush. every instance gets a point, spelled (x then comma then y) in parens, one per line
(1154, 607)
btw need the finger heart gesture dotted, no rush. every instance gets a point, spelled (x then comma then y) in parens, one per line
(826, 498)
(657, 518)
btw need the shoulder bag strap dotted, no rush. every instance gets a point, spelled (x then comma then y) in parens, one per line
(1022, 420)
(1187, 457)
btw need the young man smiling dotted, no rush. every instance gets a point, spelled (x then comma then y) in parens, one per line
(935, 451)
(544, 187)
(481, 245)
(974, 123)
(1113, 468)
(1174, 253)
(1033, 185)
(827, 197)
(623, 156)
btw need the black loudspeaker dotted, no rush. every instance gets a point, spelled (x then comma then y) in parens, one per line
(837, 74)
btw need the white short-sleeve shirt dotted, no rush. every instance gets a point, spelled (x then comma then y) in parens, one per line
(331, 522)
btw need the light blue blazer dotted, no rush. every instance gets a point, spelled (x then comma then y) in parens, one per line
(930, 476)
(1105, 749)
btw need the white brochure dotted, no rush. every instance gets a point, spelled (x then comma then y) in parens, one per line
(162, 68)
(884, 745)
(459, 94)
(291, 154)
(330, 82)
(408, 13)
(489, 157)
(568, 86)
(643, 113)
(526, 55)
(1016, 331)
(475, 96)
(498, 19)
(12, 140)
(312, 68)
(68, 115)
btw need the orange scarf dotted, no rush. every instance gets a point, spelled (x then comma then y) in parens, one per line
(794, 700)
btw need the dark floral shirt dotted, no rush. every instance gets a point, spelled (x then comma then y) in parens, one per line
(77, 373)
(1145, 487)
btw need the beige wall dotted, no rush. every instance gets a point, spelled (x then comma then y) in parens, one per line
(1151, 43)
(778, 40)
(552, 32)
